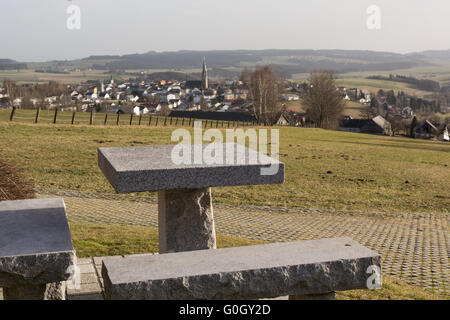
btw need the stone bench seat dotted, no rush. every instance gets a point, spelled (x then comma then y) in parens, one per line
(317, 267)
(36, 252)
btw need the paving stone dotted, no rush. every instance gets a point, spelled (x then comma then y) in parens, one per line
(84, 261)
(88, 278)
(90, 288)
(86, 268)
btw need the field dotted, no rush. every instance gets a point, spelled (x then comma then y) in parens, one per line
(31, 76)
(324, 169)
(375, 85)
(352, 108)
(359, 80)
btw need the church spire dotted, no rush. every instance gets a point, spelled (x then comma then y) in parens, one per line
(205, 82)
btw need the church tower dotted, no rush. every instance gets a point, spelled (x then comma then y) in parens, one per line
(205, 82)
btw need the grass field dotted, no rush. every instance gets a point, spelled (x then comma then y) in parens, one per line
(375, 85)
(31, 76)
(83, 118)
(324, 169)
(351, 108)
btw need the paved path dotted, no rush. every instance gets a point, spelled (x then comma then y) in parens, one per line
(414, 246)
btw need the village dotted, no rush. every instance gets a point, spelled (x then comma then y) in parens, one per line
(382, 113)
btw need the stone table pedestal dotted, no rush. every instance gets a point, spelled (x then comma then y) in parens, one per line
(186, 220)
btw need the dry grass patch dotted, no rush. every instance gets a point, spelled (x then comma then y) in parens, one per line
(13, 185)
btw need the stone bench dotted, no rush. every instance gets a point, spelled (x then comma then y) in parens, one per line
(36, 252)
(316, 268)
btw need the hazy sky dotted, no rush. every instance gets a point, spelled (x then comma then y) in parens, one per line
(35, 30)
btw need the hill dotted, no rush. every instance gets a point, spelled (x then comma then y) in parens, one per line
(289, 61)
(286, 61)
(8, 64)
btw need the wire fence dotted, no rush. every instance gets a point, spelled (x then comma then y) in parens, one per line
(39, 116)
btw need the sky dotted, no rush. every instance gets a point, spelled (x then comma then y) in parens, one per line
(36, 30)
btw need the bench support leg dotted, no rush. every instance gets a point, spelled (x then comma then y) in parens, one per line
(322, 296)
(186, 220)
(50, 291)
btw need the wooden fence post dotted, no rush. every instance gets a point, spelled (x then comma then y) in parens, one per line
(157, 119)
(165, 121)
(131, 119)
(176, 123)
(56, 114)
(106, 119)
(150, 121)
(91, 118)
(171, 120)
(140, 118)
(182, 124)
(73, 117)
(38, 111)
(190, 119)
(118, 119)
(217, 124)
(12, 114)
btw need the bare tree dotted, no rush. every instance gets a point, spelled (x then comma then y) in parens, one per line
(153, 99)
(165, 111)
(263, 88)
(12, 90)
(204, 106)
(323, 101)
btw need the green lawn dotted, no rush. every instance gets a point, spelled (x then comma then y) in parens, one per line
(324, 169)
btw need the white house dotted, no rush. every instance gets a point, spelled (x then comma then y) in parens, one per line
(169, 97)
(137, 111)
(131, 98)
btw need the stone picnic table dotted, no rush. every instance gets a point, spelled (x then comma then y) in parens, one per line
(185, 212)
